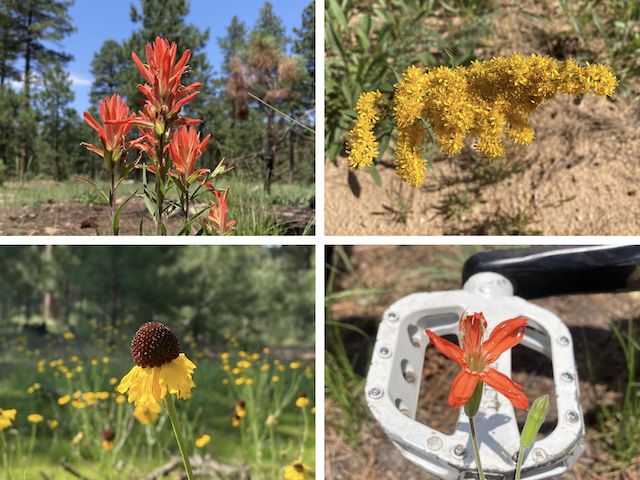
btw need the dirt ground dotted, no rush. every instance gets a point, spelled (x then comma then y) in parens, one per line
(579, 177)
(71, 218)
(391, 272)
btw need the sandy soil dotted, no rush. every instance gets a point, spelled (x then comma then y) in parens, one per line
(579, 177)
(392, 272)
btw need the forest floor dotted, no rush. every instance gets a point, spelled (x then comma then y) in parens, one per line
(388, 273)
(579, 177)
(45, 207)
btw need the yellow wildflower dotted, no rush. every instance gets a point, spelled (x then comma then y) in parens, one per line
(160, 369)
(362, 146)
(147, 413)
(53, 424)
(486, 101)
(202, 440)
(296, 471)
(302, 401)
(6, 418)
(35, 418)
(63, 400)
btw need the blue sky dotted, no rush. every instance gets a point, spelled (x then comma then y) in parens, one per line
(97, 21)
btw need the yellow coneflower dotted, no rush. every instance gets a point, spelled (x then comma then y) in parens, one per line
(53, 423)
(294, 365)
(203, 440)
(147, 413)
(236, 421)
(275, 378)
(35, 418)
(113, 381)
(108, 436)
(160, 372)
(302, 401)
(68, 336)
(160, 367)
(241, 408)
(120, 399)
(296, 471)
(6, 418)
(63, 400)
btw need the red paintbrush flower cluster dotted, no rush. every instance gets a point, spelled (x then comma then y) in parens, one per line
(157, 121)
(184, 150)
(218, 213)
(117, 122)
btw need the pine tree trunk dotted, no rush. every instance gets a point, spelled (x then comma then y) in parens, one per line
(292, 154)
(47, 298)
(24, 161)
(270, 153)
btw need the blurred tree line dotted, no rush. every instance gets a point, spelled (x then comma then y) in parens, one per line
(41, 133)
(257, 294)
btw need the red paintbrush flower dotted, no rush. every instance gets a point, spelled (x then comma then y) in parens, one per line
(218, 213)
(163, 74)
(114, 113)
(184, 150)
(476, 356)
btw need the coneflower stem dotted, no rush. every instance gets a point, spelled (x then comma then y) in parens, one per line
(476, 450)
(178, 433)
(519, 463)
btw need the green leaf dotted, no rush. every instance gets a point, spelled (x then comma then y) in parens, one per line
(375, 175)
(535, 419)
(116, 217)
(95, 186)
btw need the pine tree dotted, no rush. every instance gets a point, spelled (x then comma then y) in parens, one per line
(38, 23)
(304, 45)
(8, 42)
(271, 25)
(56, 118)
(233, 43)
(109, 68)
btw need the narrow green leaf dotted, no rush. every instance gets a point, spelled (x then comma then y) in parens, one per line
(375, 174)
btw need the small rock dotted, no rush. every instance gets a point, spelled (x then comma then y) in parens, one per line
(90, 222)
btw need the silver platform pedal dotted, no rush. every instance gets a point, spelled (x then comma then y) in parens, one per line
(393, 385)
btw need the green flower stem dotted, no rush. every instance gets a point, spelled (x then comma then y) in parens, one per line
(32, 441)
(519, 463)
(476, 450)
(305, 431)
(171, 408)
(5, 455)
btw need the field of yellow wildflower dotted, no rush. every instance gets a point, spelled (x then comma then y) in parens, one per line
(87, 399)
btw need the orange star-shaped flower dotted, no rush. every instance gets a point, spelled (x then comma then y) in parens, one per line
(476, 356)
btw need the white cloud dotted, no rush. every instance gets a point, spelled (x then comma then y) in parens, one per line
(79, 81)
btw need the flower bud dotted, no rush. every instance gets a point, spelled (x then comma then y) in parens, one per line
(535, 419)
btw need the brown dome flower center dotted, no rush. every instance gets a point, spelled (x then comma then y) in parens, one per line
(109, 435)
(154, 345)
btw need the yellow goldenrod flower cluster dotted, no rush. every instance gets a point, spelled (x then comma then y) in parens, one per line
(363, 146)
(488, 101)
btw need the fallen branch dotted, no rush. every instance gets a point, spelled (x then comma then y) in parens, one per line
(72, 470)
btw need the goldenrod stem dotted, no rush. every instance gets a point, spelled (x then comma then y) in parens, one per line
(178, 433)
(476, 450)
(519, 463)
